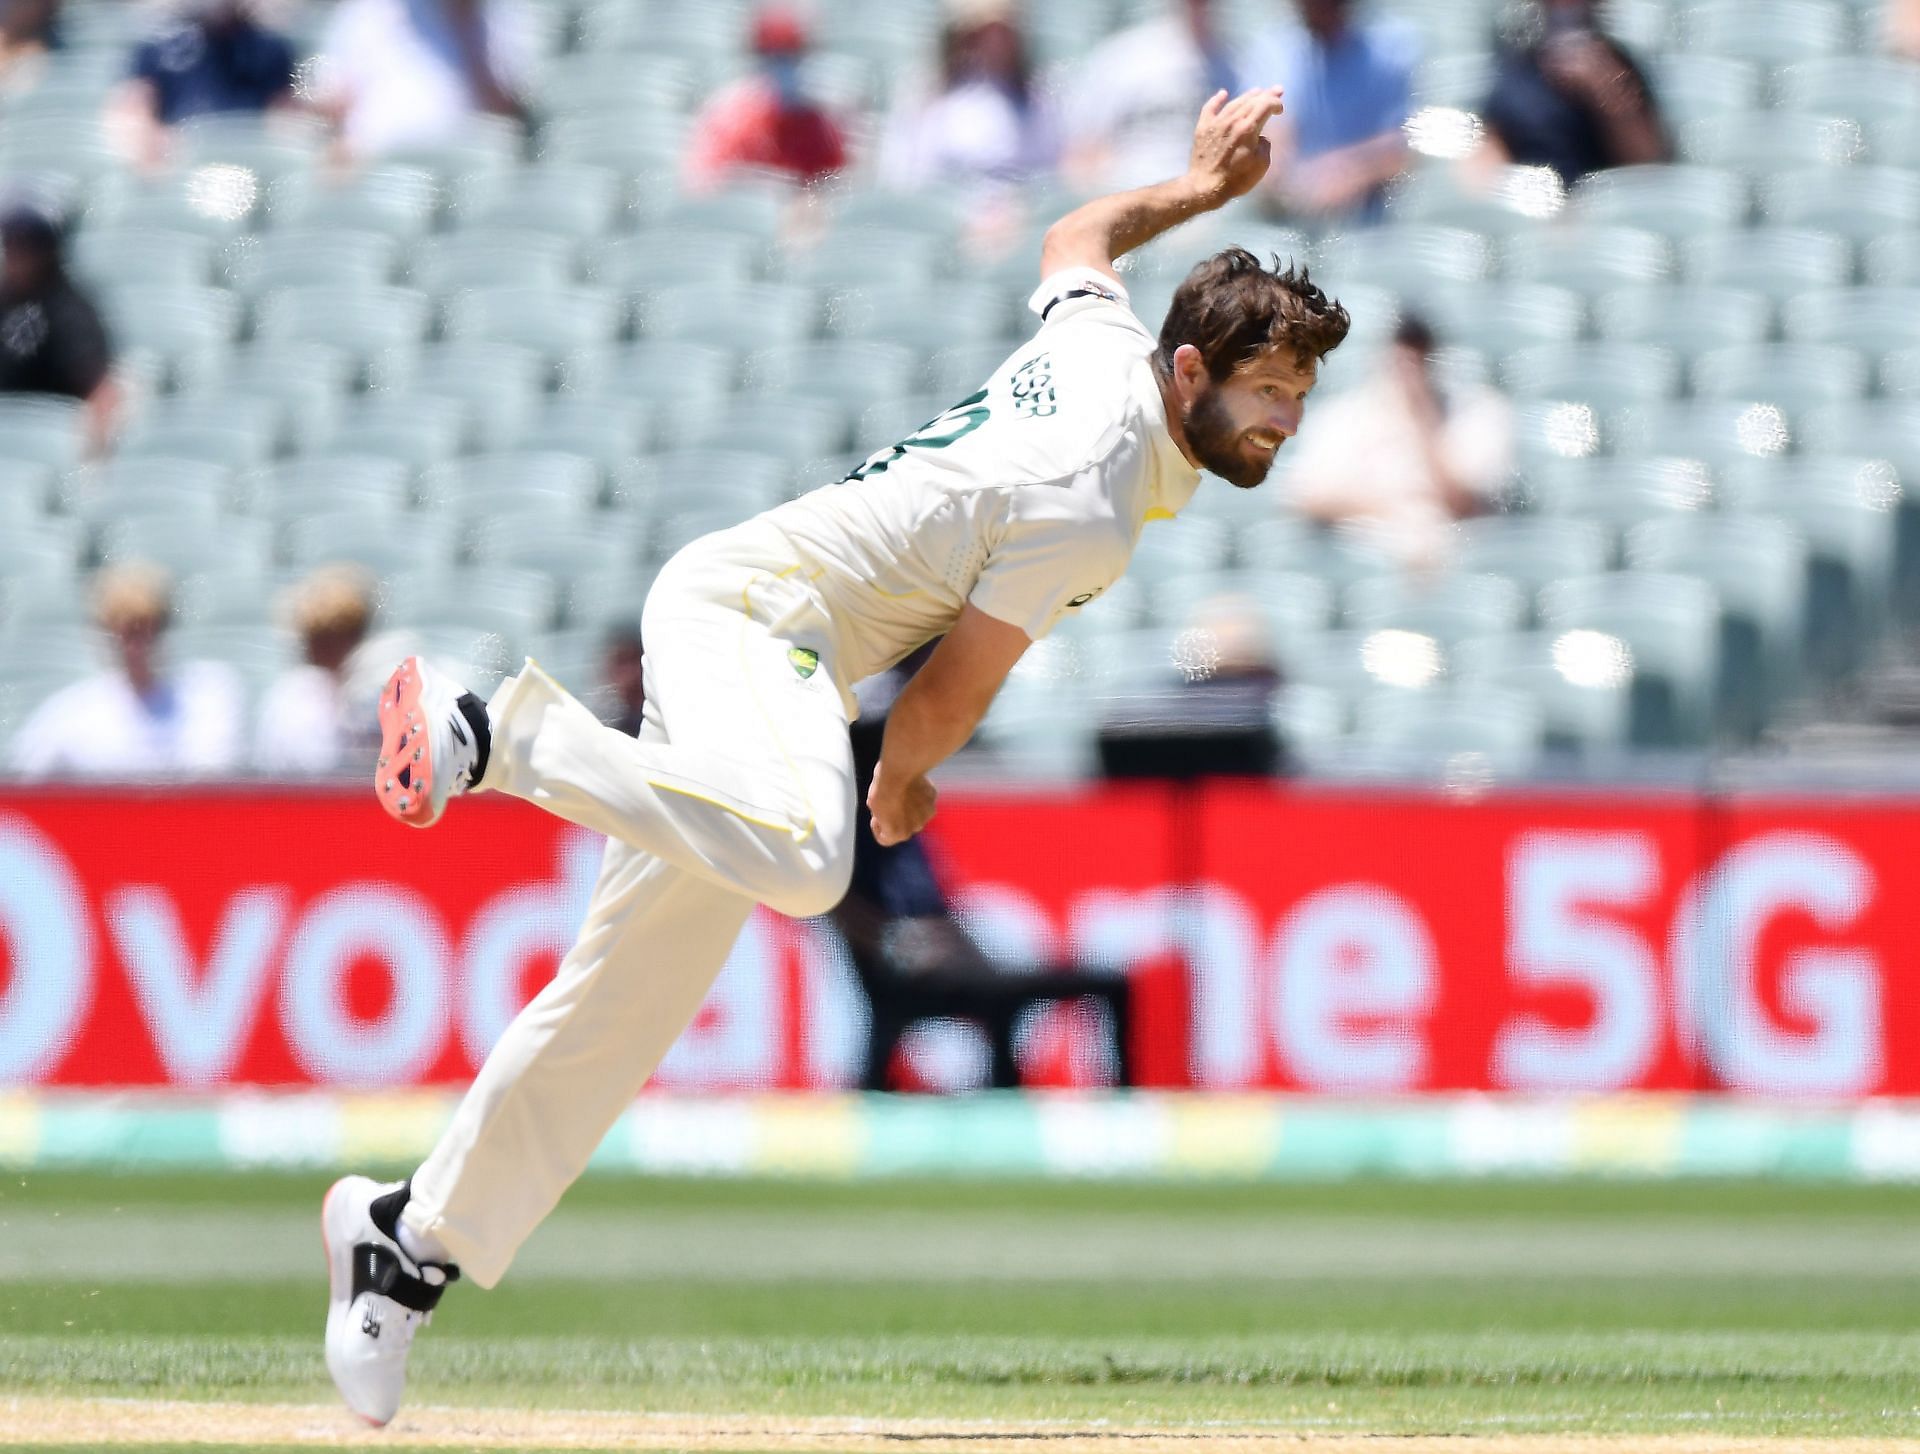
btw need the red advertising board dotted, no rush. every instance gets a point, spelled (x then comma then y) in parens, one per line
(1279, 936)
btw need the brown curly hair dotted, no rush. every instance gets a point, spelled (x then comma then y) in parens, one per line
(1233, 308)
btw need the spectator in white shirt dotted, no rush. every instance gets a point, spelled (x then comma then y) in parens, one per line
(1131, 103)
(331, 609)
(986, 124)
(1400, 458)
(141, 718)
(399, 74)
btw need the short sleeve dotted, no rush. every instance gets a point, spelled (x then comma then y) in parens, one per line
(1073, 291)
(1048, 560)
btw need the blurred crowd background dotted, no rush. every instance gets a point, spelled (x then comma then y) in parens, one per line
(334, 330)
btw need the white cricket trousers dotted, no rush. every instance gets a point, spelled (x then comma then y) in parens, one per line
(738, 790)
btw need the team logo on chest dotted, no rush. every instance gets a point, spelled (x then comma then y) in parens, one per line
(804, 660)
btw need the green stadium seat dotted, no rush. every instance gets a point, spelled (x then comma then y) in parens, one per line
(269, 146)
(796, 428)
(381, 329)
(284, 491)
(1788, 374)
(678, 524)
(1878, 320)
(1293, 604)
(218, 207)
(1428, 734)
(738, 482)
(1290, 544)
(588, 81)
(922, 320)
(935, 214)
(1877, 429)
(395, 200)
(490, 257)
(182, 334)
(646, 144)
(1532, 550)
(142, 256)
(565, 485)
(187, 547)
(1778, 263)
(598, 599)
(1604, 376)
(748, 209)
(1677, 201)
(686, 373)
(856, 257)
(1618, 492)
(1515, 200)
(1858, 203)
(487, 146)
(1580, 682)
(1671, 625)
(1766, 141)
(850, 373)
(500, 386)
(262, 262)
(1588, 259)
(42, 429)
(610, 432)
(1867, 88)
(1693, 87)
(43, 549)
(420, 430)
(556, 322)
(955, 372)
(1758, 567)
(561, 548)
(1846, 507)
(572, 200)
(240, 434)
(516, 605)
(196, 488)
(385, 544)
(1309, 721)
(1447, 608)
(306, 384)
(26, 489)
(1405, 259)
(742, 317)
(1169, 548)
(1718, 432)
(1358, 663)
(654, 261)
(1500, 318)
(1768, 32)
(1683, 317)
(73, 150)
(1892, 262)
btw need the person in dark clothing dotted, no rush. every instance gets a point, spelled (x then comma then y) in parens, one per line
(622, 698)
(212, 58)
(1568, 96)
(913, 957)
(51, 337)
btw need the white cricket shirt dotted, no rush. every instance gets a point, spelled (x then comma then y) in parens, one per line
(1026, 498)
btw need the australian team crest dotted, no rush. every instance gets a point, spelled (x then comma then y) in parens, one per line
(804, 660)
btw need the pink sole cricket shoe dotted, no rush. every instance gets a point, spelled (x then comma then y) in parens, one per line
(433, 743)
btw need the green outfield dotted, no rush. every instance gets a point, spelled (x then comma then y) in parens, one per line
(1451, 1308)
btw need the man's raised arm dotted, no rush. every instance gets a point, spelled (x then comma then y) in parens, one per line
(1229, 159)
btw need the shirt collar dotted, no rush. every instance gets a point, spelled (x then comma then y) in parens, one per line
(1173, 480)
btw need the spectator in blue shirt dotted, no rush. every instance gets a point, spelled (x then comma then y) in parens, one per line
(1348, 89)
(211, 57)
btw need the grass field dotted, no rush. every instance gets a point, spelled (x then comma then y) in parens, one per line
(1510, 1309)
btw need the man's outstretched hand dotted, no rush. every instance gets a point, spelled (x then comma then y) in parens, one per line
(1230, 156)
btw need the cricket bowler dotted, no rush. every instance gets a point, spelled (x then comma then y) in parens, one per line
(1014, 508)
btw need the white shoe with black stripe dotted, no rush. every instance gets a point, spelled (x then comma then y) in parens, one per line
(378, 1296)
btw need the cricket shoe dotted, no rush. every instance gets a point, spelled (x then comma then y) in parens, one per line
(433, 743)
(378, 1297)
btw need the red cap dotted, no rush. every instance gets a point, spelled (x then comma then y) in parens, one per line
(779, 30)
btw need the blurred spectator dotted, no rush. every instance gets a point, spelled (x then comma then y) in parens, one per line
(139, 718)
(765, 120)
(51, 337)
(1132, 101)
(987, 123)
(29, 33)
(1568, 96)
(623, 696)
(1400, 457)
(211, 56)
(331, 609)
(1348, 87)
(913, 956)
(1902, 25)
(397, 74)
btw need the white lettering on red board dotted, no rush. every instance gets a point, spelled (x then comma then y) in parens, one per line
(1341, 991)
